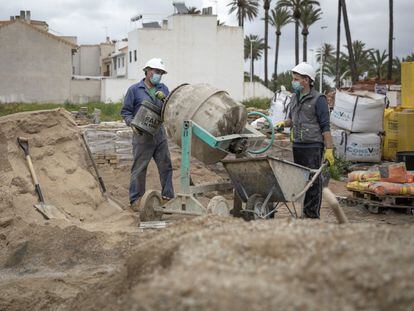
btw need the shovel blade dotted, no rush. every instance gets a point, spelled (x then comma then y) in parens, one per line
(50, 211)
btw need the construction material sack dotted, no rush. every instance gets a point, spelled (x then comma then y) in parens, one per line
(363, 147)
(360, 114)
(357, 147)
(394, 172)
(388, 188)
(279, 107)
(373, 175)
(339, 139)
(358, 185)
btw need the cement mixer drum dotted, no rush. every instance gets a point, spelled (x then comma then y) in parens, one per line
(209, 107)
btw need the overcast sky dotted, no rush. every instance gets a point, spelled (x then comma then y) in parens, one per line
(92, 20)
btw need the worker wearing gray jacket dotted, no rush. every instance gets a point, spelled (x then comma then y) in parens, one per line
(145, 146)
(310, 131)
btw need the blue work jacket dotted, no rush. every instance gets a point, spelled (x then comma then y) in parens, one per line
(133, 99)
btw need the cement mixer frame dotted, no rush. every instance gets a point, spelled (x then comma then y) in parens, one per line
(185, 202)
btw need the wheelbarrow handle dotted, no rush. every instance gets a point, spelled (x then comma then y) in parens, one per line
(312, 181)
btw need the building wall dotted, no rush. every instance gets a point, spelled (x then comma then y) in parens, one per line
(87, 60)
(34, 66)
(85, 91)
(256, 89)
(195, 50)
(105, 51)
(113, 90)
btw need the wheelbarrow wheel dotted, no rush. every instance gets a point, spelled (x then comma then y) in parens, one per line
(254, 207)
(218, 206)
(149, 201)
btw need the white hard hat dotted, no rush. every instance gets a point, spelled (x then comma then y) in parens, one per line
(156, 63)
(305, 69)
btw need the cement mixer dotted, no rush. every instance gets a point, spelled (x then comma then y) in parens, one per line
(208, 124)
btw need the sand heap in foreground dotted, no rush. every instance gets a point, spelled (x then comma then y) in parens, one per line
(61, 163)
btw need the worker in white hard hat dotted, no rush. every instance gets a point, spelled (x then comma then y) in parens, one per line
(310, 131)
(145, 146)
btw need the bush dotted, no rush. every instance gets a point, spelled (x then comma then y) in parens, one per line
(340, 168)
(258, 103)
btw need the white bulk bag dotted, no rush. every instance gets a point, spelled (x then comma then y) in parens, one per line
(363, 147)
(279, 107)
(361, 114)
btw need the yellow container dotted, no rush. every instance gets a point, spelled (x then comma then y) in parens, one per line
(390, 146)
(405, 130)
(407, 85)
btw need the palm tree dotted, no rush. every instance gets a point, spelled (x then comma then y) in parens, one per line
(337, 70)
(325, 55)
(390, 40)
(295, 7)
(193, 10)
(378, 62)
(361, 58)
(309, 16)
(338, 46)
(279, 17)
(352, 62)
(245, 9)
(266, 7)
(253, 48)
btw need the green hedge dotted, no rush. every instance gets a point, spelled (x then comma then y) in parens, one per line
(109, 112)
(259, 103)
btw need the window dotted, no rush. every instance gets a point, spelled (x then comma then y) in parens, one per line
(119, 62)
(123, 61)
(130, 56)
(135, 55)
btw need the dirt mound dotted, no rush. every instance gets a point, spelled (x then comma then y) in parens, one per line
(60, 161)
(222, 263)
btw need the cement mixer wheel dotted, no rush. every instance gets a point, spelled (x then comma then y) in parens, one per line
(254, 206)
(218, 206)
(149, 201)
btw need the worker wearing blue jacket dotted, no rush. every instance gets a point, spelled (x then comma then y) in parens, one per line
(145, 146)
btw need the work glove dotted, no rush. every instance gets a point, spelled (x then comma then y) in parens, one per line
(280, 126)
(329, 156)
(160, 95)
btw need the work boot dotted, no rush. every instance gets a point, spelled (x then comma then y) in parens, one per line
(135, 205)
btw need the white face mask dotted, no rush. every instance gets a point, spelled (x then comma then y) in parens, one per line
(155, 79)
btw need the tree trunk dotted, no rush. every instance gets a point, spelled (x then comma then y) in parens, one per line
(266, 46)
(296, 41)
(305, 47)
(276, 55)
(390, 40)
(338, 46)
(352, 64)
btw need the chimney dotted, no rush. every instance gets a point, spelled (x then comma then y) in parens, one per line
(12, 18)
(22, 15)
(165, 23)
(108, 40)
(28, 16)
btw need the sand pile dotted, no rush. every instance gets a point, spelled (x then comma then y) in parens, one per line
(212, 263)
(60, 161)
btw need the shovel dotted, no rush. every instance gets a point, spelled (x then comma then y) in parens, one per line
(111, 200)
(48, 211)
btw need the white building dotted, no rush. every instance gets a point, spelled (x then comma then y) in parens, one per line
(119, 59)
(194, 49)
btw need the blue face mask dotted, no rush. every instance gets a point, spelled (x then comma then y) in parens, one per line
(297, 87)
(155, 79)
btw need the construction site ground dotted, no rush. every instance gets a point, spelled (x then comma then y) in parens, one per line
(99, 259)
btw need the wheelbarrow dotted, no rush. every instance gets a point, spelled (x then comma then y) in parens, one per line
(265, 183)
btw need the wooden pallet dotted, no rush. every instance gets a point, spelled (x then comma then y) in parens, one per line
(377, 204)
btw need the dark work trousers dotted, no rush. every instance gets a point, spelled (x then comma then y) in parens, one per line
(311, 157)
(146, 147)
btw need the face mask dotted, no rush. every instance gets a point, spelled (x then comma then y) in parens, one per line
(297, 87)
(155, 79)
